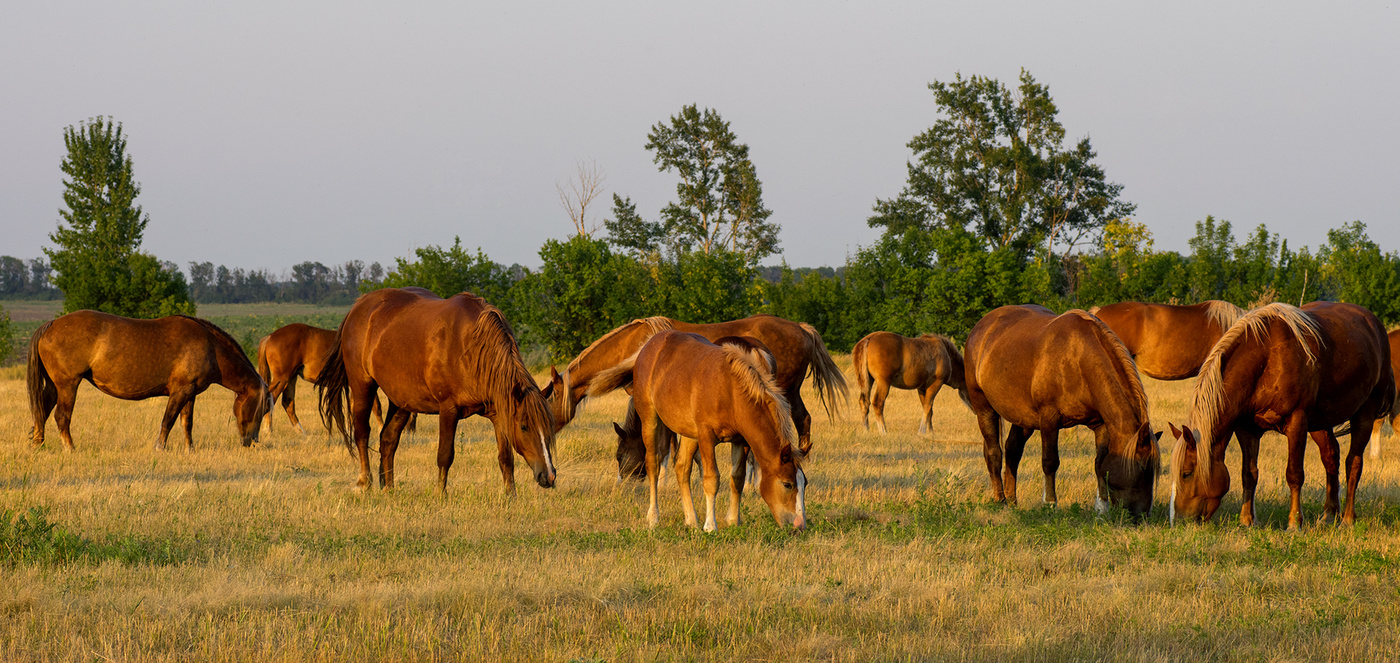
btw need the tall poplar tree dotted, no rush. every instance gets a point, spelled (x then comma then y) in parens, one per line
(98, 262)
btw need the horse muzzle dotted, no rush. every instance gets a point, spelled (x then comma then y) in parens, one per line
(545, 478)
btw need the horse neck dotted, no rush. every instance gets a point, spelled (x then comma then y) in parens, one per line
(605, 354)
(236, 373)
(956, 371)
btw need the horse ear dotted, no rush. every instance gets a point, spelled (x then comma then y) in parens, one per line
(785, 456)
(519, 392)
(1157, 437)
(1176, 433)
(1188, 437)
(620, 432)
(553, 374)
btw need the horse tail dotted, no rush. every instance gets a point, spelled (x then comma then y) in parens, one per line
(612, 379)
(333, 385)
(263, 369)
(858, 368)
(38, 381)
(826, 377)
(957, 371)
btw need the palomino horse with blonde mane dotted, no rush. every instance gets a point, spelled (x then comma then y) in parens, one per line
(455, 358)
(1169, 342)
(1039, 371)
(178, 356)
(631, 452)
(884, 359)
(1292, 371)
(796, 348)
(684, 385)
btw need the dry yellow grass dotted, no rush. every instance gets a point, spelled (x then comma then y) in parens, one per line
(269, 554)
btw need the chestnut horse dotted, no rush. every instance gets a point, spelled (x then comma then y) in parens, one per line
(293, 350)
(1292, 371)
(297, 350)
(631, 453)
(1039, 371)
(797, 349)
(453, 357)
(884, 359)
(1169, 342)
(178, 357)
(684, 385)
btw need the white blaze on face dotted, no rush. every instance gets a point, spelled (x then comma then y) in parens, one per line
(1171, 506)
(548, 462)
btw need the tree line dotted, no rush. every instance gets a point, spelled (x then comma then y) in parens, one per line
(998, 207)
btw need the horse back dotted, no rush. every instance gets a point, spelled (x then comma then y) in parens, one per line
(686, 381)
(1353, 363)
(784, 338)
(129, 358)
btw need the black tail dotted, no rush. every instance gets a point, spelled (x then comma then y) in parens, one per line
(41, 387)
(333, 388)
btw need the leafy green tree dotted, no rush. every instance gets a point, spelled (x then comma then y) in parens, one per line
(629, 231)
(97, 259)
(719, 200)
(995, 163)
(447, 272)
(7, 335)
(709, 287)
(814, 299)
(581, 291)
(1356, 271)
(1211, 250)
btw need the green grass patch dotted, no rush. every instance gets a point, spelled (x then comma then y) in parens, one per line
(28, 537)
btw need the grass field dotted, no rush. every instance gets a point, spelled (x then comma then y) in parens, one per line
(234, 554)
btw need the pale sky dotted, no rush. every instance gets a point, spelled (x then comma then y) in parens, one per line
(266, 134)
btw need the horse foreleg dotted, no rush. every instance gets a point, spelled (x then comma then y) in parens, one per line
(739, 456)
(187, 417)
(173, 406)
(684, 457)
(877, 403)
(710, 479)
(989, 423)
(926, 397)
(447, 451)
(1249, 473)
(1015, 446)
(1361, 430)
(1296, 431)
(1050, 463)
(649, 430)
(389, 444)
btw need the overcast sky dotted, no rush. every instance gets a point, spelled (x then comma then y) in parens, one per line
(266, 134)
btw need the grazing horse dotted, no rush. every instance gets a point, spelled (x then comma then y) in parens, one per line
(884, 359)
(1288, 370)
(684, 385)
(1039, 371)
(631, 452)
(453, 357)
(1169, 342)
(796, 348)
(178, 356)
(296, 349)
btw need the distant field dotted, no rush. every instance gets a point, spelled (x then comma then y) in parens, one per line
(233, 554)
(246, 322)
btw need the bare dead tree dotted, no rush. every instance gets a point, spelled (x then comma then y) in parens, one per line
(579, 192)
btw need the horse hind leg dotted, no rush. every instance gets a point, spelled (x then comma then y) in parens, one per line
(1355, 463)
(1050, 463)
(289, 403)
(1328, 448)
(877, 401)
(389, 443)
(187, 418)
(989, 423)
(1015, 446)
(48, 399)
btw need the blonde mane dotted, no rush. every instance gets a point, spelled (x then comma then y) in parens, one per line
(498, 357)
(759, 387)
(1208, 401)
(1223, 313)
(567, 404)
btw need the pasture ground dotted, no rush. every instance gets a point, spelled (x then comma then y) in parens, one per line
(234, 554)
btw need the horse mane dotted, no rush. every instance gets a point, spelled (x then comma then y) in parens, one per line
(498, 353)
(231, 346)
(656, 323)
(1223, 313)
(955, 361)
(1127, 368)
(759, 387)
(1208, 401)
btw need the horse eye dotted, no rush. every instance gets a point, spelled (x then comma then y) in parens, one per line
(1187, 474)
(789, 485)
